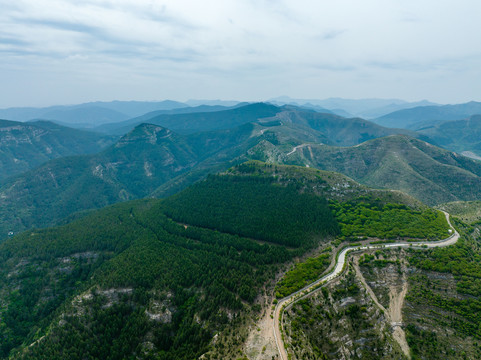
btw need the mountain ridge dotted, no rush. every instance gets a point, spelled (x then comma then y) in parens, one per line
(409, 117)
(24, 146)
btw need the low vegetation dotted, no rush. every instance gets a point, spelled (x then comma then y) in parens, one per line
(359, 219)
(303, 273)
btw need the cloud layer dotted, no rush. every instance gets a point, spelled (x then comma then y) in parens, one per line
(66, 51)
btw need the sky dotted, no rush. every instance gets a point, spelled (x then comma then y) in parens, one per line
(67, 52)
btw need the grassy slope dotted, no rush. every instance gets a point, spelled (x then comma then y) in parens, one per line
(424, 171)
(467, 211)
(457, 135)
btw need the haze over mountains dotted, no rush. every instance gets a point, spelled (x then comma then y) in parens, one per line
(89, 114)
(98, 113)
(413, 117)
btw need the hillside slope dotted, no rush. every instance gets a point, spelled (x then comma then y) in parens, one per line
(456, 135)
(123, 127)
(431, 174)
(24, 146)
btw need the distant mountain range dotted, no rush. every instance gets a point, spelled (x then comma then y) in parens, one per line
(24, 146)
(366, 108)
(89, 114)
(418, 116)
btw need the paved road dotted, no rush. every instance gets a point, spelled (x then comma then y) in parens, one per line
(341, 260)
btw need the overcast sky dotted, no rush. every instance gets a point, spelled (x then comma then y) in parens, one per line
(64, 52)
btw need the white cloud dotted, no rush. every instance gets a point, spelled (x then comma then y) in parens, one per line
(232, 48)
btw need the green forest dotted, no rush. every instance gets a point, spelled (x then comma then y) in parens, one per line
(257, 207)
(128, 279)
(303, 273)
(388, 221)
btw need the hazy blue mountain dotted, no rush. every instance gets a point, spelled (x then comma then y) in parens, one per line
(409, 117)
(24, 146)
(342, 113)
(137, 108)
(457, 135)
(198, 102)
(384, 110)
(366, 108)
(307, 106)
(90, 114)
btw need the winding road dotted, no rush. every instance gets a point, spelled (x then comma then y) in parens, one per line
(338, 269)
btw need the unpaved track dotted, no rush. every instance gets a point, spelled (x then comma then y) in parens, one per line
(341, 260)
(297, 147)
(396, 301)
(367, 287)
(394, 312)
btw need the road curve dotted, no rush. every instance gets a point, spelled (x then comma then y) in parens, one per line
(339, 267)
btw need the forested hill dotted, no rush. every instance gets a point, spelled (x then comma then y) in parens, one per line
(192, 122)
(24, 146)
(254, 208)
(135, 166)
(128, 281)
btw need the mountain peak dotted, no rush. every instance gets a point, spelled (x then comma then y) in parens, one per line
(147, 133)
